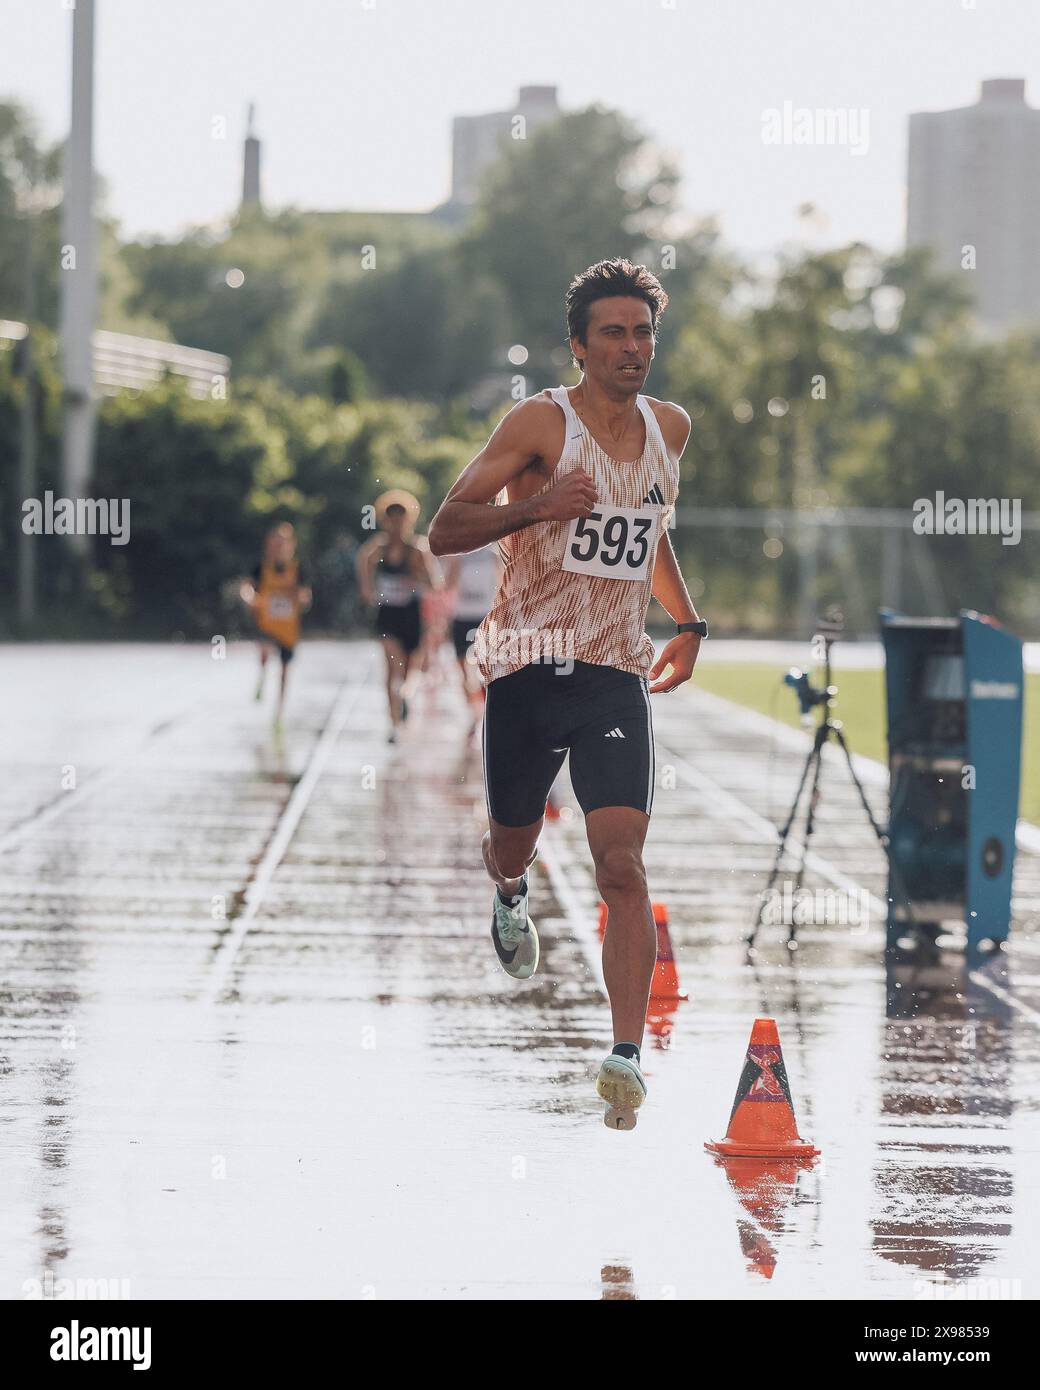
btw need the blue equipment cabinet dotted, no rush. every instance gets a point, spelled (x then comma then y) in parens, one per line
(954, 692)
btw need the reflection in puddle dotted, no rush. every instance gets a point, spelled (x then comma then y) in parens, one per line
(617, 1283)
(765, 1189)
(946, 1064)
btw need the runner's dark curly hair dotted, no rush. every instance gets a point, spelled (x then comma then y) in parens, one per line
(606, 280)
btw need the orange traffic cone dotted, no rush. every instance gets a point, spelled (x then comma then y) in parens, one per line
(761, 1123)
(665, 985)
(601, 925)
(665, 995)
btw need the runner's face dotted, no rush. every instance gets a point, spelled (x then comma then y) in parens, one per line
(619, 344)
(394, 522)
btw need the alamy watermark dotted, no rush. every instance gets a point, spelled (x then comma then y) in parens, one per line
(941, 1289)
(976, 516)
(819, 125)
(48, 1287)
(817, 907)
(77, 516)
(497, 646)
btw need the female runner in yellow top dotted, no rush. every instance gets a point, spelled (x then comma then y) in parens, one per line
(277, 596)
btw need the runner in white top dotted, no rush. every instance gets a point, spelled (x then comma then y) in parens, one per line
(585, 480)
(473, 579)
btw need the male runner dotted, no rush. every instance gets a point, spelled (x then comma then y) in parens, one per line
(590, 477)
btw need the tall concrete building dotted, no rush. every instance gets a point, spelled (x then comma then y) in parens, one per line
(974, 182)
(478, 140)
(251, 165)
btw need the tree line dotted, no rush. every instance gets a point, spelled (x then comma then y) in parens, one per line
(373, 351)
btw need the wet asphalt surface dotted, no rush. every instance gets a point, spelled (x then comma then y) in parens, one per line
(254, 1040)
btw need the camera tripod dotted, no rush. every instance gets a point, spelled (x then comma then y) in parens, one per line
(827, 729)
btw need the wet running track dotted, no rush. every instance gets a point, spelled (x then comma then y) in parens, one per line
(254, 1041)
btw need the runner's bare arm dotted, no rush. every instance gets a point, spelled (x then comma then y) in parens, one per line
(366, 558)
(669, 587)
(424, 567)
(434, 570)
(467, 520)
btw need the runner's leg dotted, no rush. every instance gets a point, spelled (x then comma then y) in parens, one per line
(507, 850)
(396, 661)
(285, 653)
(413, 669)
(519, 769)
(612, 771)
(413, 639)
(616, 835)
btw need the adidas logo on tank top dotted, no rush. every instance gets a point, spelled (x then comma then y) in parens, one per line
(583, 588)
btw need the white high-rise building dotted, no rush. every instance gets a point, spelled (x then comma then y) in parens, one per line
(477, 141)
(974, 196)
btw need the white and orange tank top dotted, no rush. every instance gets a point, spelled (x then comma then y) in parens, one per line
(579, 590)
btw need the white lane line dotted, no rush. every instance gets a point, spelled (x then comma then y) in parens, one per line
(68, 801)
(868, 770)
(1001, 993)
(715, 795)
(65, 802)
(341, 711)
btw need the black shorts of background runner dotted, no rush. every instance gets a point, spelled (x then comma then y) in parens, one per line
(463, 631)
(285, 654)
(403, 622)
(534, 716)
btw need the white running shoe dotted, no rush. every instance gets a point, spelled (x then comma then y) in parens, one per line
(514, 937)
(620, 1083)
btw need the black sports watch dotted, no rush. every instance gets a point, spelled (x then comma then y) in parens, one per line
(701, 628)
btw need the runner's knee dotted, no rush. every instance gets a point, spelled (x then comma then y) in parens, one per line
(620, 872)
(511, 854)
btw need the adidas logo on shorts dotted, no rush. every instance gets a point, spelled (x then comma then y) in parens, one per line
(614, 733)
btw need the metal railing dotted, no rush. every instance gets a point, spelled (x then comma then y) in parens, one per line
(124, 362)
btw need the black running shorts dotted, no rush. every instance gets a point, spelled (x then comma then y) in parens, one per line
(402, 622)
(535, 716)
(285, 654)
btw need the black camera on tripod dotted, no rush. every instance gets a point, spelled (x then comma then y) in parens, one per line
(808, 695)
(829, 628)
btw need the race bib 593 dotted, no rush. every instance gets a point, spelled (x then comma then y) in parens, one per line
(612, 542)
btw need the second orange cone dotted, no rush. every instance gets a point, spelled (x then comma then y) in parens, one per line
(664, 987)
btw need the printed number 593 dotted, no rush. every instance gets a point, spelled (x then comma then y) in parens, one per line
(610, 545)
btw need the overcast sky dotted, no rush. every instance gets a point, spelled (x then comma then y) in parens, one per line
(355, 97)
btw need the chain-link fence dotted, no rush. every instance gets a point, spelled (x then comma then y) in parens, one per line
(773, 571)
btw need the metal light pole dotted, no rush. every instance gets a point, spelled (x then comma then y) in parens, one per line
(27, 459)
(79, 266)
